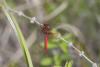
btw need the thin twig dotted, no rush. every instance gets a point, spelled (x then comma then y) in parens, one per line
(81, 53)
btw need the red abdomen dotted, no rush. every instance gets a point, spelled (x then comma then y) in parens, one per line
(45, 39)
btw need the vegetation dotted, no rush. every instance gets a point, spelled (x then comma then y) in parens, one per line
(77, 21)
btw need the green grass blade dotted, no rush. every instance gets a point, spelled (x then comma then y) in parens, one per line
(19, 34)
(69, 64)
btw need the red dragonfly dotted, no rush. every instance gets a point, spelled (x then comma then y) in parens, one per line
(46, 31)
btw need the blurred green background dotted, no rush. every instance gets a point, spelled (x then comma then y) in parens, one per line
(77, 20)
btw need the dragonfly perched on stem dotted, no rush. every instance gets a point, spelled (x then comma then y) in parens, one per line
(46, 29)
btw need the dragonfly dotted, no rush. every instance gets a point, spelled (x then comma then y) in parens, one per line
(46, 29)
